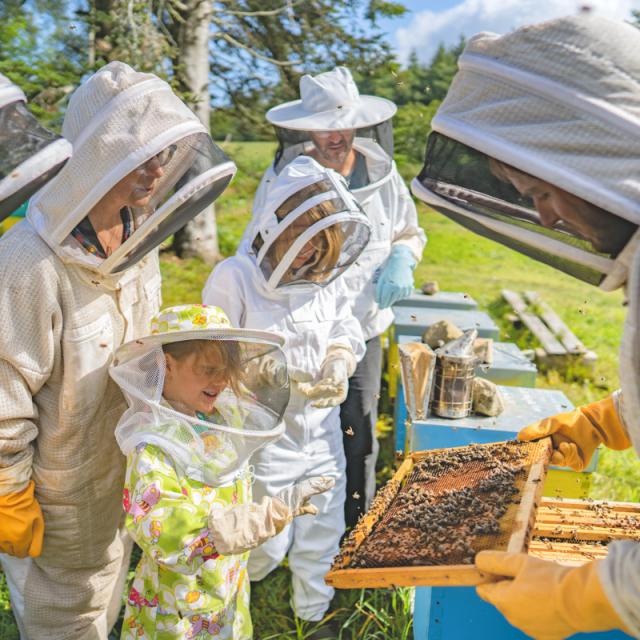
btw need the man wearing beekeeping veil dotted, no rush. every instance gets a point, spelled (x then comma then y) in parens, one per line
(80, 277)
(352, 134)
(537, 146)
(30, 155)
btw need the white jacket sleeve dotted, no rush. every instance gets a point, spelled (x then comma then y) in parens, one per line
(346, 330)
(29, 340)
(223, 289)
(406, 230)
(620, 576)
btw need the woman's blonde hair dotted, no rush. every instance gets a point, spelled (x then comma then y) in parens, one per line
(222, 355)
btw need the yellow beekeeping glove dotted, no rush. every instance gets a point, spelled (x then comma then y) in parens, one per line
(577, 434)
(545, 600)
(21, 524)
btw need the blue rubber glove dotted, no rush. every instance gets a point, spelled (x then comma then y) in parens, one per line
(396, 279)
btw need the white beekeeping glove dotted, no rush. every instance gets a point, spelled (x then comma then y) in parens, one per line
(297, 496)
(333, 380)
(238, 528)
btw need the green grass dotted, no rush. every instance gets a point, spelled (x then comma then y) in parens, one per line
(459, 261)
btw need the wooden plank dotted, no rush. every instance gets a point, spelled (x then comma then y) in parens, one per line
(549, 502)
(534, 324)
(583, 519)
(458, 575)
(531, 494)
(542, 546)
(555, 323)
(566, 553)
(578, 532)
(553, 514)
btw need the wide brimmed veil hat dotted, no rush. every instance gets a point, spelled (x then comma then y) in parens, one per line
(247, 415)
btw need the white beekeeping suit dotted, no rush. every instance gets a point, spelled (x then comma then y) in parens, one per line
(385, 200)
(310, 230)
(331, 102)
(536, 146)
(65, 310)
(30, 155)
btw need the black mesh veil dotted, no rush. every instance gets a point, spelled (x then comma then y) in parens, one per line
(30, 156)
(201, 173)
(477, 192)
(292, 142)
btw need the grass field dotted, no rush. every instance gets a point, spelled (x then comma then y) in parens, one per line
(459, 261)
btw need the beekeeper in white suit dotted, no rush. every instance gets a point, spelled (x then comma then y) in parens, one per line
(537, 146)
(353, 135)
(310, 230)
(30, 155)
(80, 277)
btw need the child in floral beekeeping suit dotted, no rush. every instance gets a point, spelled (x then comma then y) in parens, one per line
(202, 398)
(309, 232)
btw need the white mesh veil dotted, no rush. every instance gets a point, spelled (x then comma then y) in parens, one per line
(310, 229)
(212, 448)
(123, 125)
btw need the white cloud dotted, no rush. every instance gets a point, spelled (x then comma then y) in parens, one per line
(428, 29)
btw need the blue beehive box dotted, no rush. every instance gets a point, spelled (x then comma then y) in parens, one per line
(522, 407)
(441, 300)
(413, 321)
(457, 613)
(509, 368)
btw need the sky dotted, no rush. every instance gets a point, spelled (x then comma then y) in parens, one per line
(431, 22)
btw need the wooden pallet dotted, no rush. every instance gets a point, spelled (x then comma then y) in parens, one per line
(519, 523)
(576, 531)
(556, 338)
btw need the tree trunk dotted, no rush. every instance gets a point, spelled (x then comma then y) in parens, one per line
(200, 236)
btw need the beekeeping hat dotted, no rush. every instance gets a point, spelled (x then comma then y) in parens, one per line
(248, 412)
(121, 121)
(30, 155)
(555, 104)
(330, 101)
(310, 228)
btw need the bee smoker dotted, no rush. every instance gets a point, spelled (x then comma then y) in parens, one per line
(417, 369)
(455, 372)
